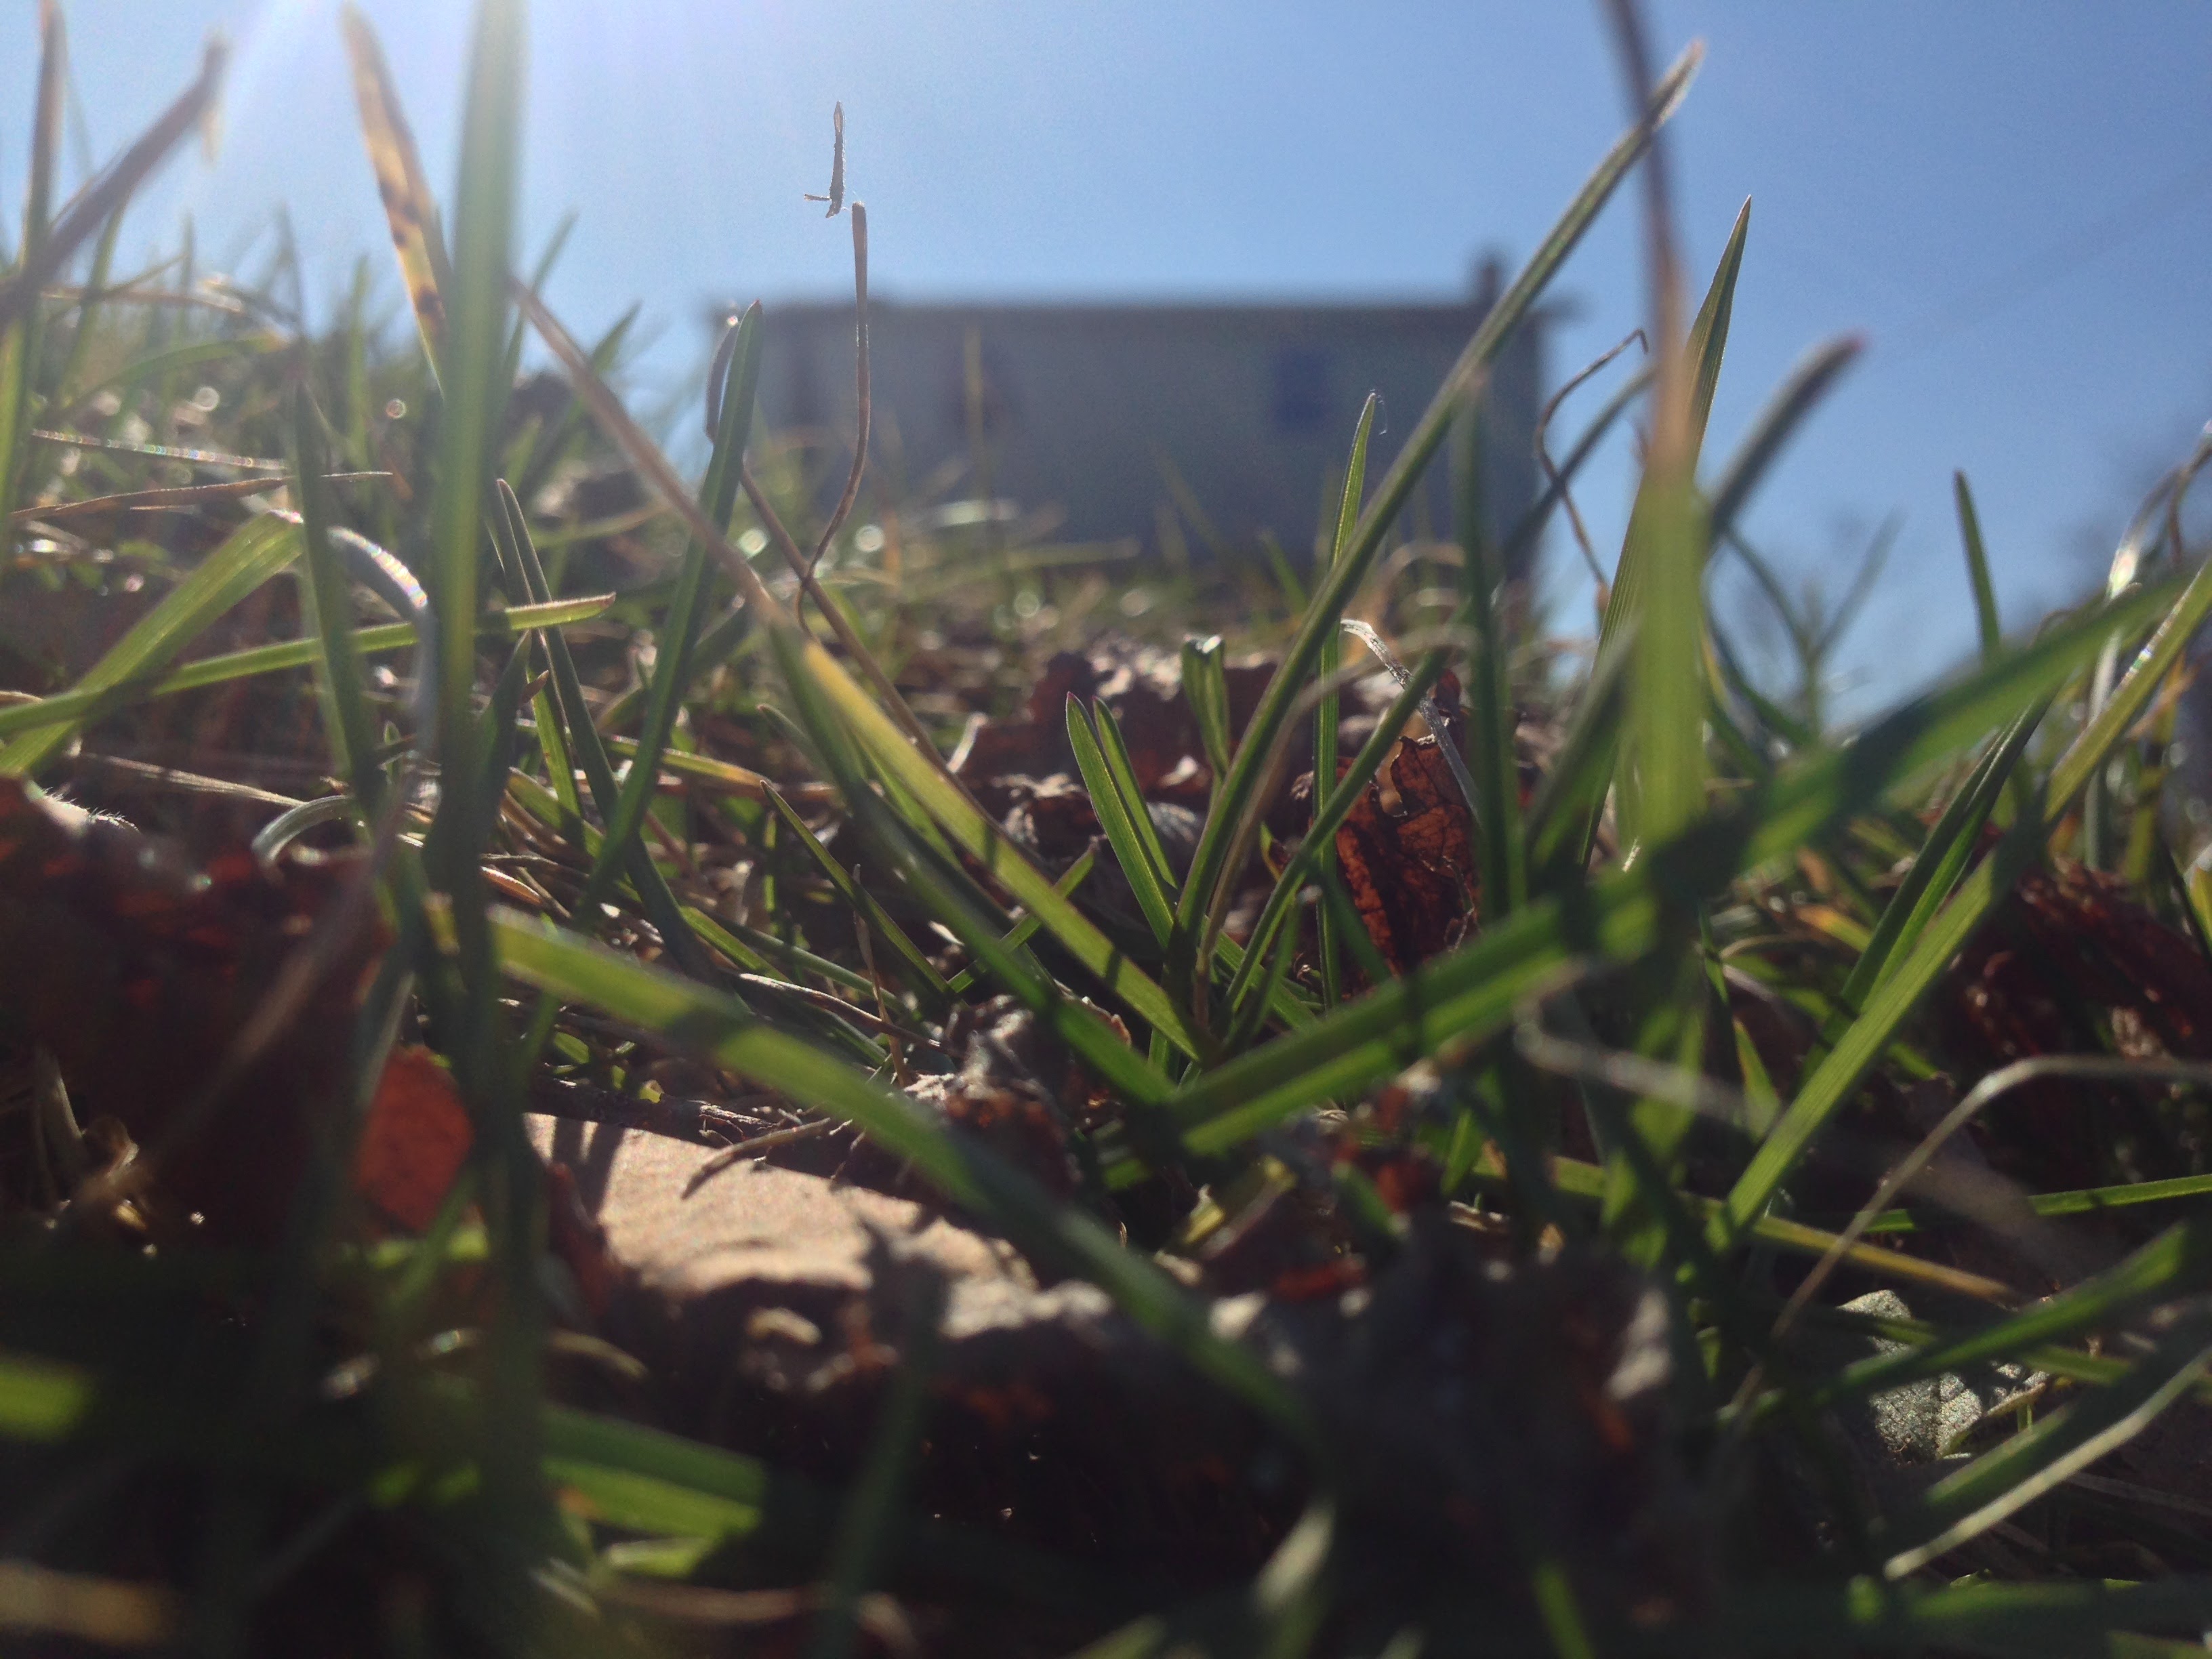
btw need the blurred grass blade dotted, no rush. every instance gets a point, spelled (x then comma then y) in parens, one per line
(100, 199)
(1977, 568)
(77, 707)
(22, 342)
(338, 673)
(1572, 795)
(1462, 385)
(409, 209)
(1659, 584)
(257, 550)
(1494, 721)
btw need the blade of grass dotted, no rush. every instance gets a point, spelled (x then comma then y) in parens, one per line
(1942, 860)
(913, 966)
(1659, 584)
(1206, 689)
(1893, 998)
(257, 550)
(1115, 751)
(710, 1024)
(409, 210)
(77, 707)
(98, 201)
(1460, 386)
(1081, 1028)
(680, 625)
(1114, 819)
(1492, 726)
(1311, 862)
(2003, 1481)
(1469, 994)
(20, 342)
(1327, 715)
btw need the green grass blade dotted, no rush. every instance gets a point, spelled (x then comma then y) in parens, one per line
(2003, 1481)
(257, 550)
(2173, 1265)
(1115, 751)
(22, 342)
(1571, 796)
(1206, 689)
(1659, 786)
(680, 626)
(509, 524)
(1462, 385)
(1468, 994)
(983, 841)
(1942, 860)
(939, 888)
(1311, 863)
(1114, 819)
(913, 966)
(1329, 712)
(1832, 1081)
(1977, 568)
(1492, 725)
(708, 1023)
(338, 674)
(77, 707)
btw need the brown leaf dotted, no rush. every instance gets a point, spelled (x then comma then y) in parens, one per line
(1411, 871)
(416, 1140)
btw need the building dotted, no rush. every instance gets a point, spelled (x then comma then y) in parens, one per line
(1232, 420)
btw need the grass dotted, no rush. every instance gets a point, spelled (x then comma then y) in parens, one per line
(1555, 1226)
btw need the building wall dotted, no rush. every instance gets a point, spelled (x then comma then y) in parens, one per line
(1084, 408)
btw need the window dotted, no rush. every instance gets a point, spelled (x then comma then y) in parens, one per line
(1298, 387)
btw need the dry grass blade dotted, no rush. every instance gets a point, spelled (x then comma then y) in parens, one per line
(100, 200)
(863, 402)
(409, 207)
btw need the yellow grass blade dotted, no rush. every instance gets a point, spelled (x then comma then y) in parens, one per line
(407, 204)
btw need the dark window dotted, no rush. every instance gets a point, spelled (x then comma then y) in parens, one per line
(1298, 388)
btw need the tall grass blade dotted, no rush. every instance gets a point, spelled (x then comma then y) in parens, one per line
(409, 210)
(1462, 385)
(1115, 818)
(1328, 714)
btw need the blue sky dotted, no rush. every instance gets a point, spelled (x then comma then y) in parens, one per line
(2012, 199)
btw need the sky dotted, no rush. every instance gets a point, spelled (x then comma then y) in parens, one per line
(2011, 199)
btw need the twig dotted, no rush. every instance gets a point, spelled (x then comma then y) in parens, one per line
(1552, 472)
(862, 400)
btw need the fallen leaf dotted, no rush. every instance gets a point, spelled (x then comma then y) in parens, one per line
(416, 1140)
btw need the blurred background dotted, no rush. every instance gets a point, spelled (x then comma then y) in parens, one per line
(2012, 201)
